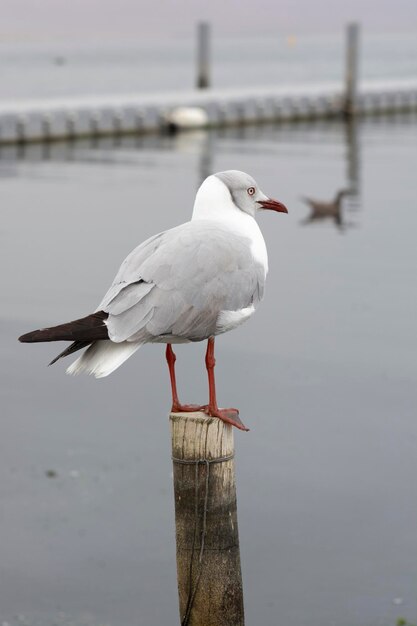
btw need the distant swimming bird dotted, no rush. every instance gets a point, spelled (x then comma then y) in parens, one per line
(324, 210)
(186, 284)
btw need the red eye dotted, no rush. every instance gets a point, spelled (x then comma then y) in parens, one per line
(251, 191)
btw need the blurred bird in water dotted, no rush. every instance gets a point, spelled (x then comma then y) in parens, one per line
(327, 210)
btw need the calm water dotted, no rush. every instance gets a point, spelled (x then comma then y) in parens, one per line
(324, 375)
(60, 69)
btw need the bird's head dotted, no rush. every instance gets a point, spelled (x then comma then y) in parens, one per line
(246, 193)
(231, 190)
(341, 194)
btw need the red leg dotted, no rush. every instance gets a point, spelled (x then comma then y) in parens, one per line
(230, 416)
(177, 407)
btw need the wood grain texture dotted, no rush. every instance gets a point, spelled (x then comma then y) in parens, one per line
(208, 558)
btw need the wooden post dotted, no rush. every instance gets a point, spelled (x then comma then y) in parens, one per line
(203, 55)
(351, 86)
(208, 558)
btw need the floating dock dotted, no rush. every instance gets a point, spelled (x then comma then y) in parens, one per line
(71, 118)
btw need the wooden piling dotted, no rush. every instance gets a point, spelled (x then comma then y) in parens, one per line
(351, 77)
(203, 55)
(208, 558)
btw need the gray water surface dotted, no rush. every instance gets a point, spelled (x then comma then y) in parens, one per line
(324, 375)
(51, 68)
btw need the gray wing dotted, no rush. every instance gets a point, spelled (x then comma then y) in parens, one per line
(176, 284)
(129, 271)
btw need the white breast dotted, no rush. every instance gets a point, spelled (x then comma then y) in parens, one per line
(213, 202)
(258, 247)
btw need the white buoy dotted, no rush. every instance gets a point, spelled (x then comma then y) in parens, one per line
(183, 118)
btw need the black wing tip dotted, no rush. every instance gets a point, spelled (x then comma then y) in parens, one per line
(74, 347)
(87, 329)
(55, 359)
(28, 337)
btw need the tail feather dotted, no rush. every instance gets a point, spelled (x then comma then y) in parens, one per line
(307, 200)
(77, 345)
(102, 358)
(87, 329)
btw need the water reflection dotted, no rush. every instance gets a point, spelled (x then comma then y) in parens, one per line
(349, 198)
(266, 139)
(352, 155)
(205, 146)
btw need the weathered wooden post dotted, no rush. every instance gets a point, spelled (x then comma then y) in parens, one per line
(351, 78)
(208, 558)
(203, 55)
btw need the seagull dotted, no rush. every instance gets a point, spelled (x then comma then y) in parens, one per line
(187, 284)
(321, 210)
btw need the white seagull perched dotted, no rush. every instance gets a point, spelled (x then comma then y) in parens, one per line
(189, 283)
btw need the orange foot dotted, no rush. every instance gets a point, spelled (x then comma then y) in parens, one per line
(187, 408)
(230, 416)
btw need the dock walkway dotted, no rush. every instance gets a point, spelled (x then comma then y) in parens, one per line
(95, 116)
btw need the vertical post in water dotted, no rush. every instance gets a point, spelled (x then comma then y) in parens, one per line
(208, 558)
(352, 155)
(351, 78)
(203, 55)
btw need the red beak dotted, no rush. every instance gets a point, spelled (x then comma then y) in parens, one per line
(273, 205)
